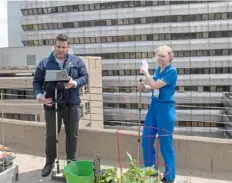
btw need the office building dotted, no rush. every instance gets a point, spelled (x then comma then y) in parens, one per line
(123, 32)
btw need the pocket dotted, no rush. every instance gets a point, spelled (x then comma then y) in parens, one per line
(74, 72)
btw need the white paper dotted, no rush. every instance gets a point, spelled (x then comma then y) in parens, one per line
(145, 64)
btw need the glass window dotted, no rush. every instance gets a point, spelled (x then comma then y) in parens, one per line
(24, 12)
(65, 8)
(187, 70)
(138, 55)
(97, 6)
(108, 22)
(87, 40)
(30, 12)
(103, 39)
(82, 40)
(98, 39)
(81, 8)
(127, 55)
(60, 9)
(212, 70)
(75, 8)
(224, 52)
(181, 71)
(150, 54)
(70, 8)
(127, 72)
(224, 15)
(206, 70)
(218, 16)
(110, 72)
(205, 34)
(199, 35)
(179, 18)
(120, 21)
(68, 24)
(156, 37)
(40, 10)
(86, 7)
(168, 36)
(125, 21)
(121, 72)
(126, 38)
(91, 6)
(212, 52)
(149, 37)
(205, 17)
(50, 26)
(55, 25)
(76, 40)
(45, 26)
(138, 38)
(51, 42)
(115, 39)
(132, 38)
(143, 37)
(131, 20)
(76, 24)
(132, 55)
(109, 39)
(35, 27)
(120, 38)
(60, 25)
(180, 54)
(35, 12)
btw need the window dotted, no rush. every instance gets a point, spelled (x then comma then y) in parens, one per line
(87, 108)
(81, 110)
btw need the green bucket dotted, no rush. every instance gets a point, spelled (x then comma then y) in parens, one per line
(79, 172)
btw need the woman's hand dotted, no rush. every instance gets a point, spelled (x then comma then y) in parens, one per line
(143, 86)
(143, 70)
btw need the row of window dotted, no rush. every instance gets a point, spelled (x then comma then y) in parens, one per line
(140, 55)
(23, 117)
(100, 6)
(84, 109)
(29, 94)
(178, 123)
(146, 106)
(17, 94)
(128, 21)
(132, 72)
(126, 38)
(178, 88)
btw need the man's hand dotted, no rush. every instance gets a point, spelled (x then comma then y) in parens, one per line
(70, 84)
(46, 101)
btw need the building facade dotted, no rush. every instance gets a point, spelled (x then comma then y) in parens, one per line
(124, 32)
(17, 100)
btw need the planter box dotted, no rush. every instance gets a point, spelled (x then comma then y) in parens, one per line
(9, 174)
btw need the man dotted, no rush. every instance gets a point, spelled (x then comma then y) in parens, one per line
(68, 109)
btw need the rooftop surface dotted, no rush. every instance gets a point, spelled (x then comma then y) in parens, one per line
(30, 171)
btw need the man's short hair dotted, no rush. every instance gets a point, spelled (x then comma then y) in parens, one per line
(61, 37)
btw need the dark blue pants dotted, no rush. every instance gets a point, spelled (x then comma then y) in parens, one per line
(70, 116)
(160, 120)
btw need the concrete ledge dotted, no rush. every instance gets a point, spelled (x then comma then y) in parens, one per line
(201, 153)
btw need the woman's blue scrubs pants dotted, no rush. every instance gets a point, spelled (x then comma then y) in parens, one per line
(160, 119)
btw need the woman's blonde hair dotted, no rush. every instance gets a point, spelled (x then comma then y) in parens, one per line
(168, 49)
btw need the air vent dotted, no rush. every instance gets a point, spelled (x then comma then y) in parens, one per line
(31, 59)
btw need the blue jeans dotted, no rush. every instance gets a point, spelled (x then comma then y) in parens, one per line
(160, 120)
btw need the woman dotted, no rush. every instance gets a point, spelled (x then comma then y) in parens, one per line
(161, 115)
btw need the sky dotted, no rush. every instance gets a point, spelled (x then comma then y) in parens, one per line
(3, 24)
